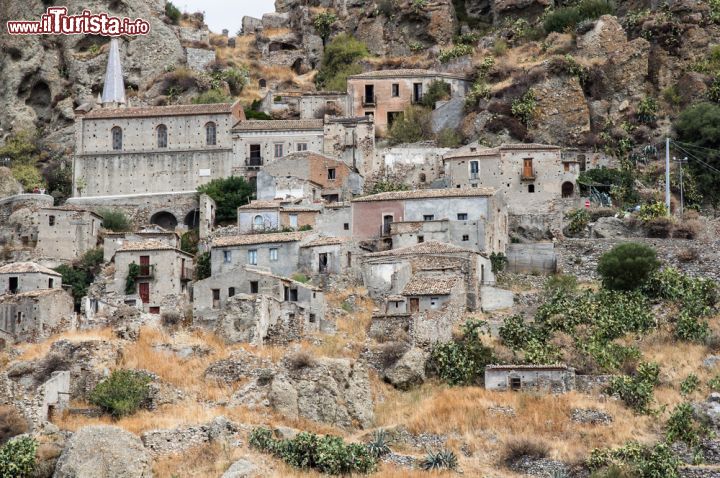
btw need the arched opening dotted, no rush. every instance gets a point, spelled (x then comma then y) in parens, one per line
(281, 46)
(298, 67)
(210, 134)
(165, 220)
(162, 136)
(423, 178)
(116, 138)
(568, 189)
(258, 223)
(192, 219)
(262, 83)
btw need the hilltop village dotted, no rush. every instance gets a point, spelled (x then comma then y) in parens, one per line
(397, 278)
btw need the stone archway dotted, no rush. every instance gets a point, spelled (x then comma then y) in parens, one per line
(164, 219)
(568, 189)
(192, 219)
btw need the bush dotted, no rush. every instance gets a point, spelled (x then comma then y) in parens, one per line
(498, 261)
(202, 266)
(300, 360)
(456, 51)
(18, 458)
(637, 391)
(339, 62)
(386, 185)
(173, 13)
(439, 460)
(323, 23)
(122, 393)
(12, 423)
(211, 96)
(228, 194)
(379, 444)
(437, 91)
(567, 18)
(689, 385)
(563, 283)
(652, 211)
(412, 126)
(29, 176)
(681, 426)
(448, 138)
(463, 362)
(579, 219)
(525, 107)
(691, 329)
(81, 274)
(643, 461)
(115, 220)
(659, 227)
(695, 295)
(171, 318)
(627, 266)
(519, 448)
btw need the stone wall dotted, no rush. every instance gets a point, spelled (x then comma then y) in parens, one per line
(532, 257)
(11, 204)
(198, 59)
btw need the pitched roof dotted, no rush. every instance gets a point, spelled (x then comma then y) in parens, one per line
(427, 194)
(247, 239)
(149, 245)
(476, 149)
(430, 285)
(406, 73)
(428, 247)
(31, 293)
(261, 205)
(151, 111)
(69, 208)
(27, 268)
(326, 241)
(527, 367)
(278, 125)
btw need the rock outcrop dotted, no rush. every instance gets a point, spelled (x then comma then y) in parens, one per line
(409, 370)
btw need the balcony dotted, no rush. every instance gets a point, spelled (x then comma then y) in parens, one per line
(369, 100)
(385, 230)
(146, 271)
(254, 163)
(474, 176)
(186, 274)
(528, 175)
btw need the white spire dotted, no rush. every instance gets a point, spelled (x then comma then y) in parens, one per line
(114, 87)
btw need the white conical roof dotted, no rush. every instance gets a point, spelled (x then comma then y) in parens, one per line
(114, 88)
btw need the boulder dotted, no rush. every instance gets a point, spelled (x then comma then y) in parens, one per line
(103, 452)
(242, 468)
(563, 113)
(409, 371)
(609, 227)
(8, 185)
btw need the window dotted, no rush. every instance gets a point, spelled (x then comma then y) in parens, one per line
(227, 257)
(474, 169)
(421, 239)
(51, 220)
(255, 155)
(528, 168)
(396, 89)
(434, 302)
(116, 138)
(370, 113)
(466, 237)
(515, 383)
(231, 291)
(51, 283)
(423, 178)
(210, 134)
(273, 254)
(531, 188)
(349, 259)
(566, 167)
(331, 173)
(13, 285)
(254, 287)
(302, 146)
(258, 222)
(216, 298)
(429, 217)
(155, 310)
(369, 97)
(278, 150)
(417, 92)
(346, 226)
(462, 216)
(293, 220)
(252, 257)
(162, 136)
(19, 317)
(312, 318)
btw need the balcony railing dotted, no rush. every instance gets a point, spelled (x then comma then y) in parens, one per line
(527, 175)
(369, 100)
(186, 273)
(474, 175)
(146, 271)
(385, 230)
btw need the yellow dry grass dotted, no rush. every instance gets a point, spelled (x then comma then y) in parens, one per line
(37, 350)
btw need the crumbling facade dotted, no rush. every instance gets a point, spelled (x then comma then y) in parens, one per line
(66, 233)
(276, 252)
(546, 378)
(20, 277)
(35, 315)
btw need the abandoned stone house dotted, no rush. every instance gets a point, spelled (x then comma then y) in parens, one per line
(308, 175)
(418, 167)
(112, 241)
(385, 94)
(21, 277)
(66, 233)
(537, 180)
(152, 275)
(257, 298)
(547, 378)
(470, 218)
(351, 139)
(276, 252)
(266, 216)
(335, 220)
(321, 103)
(387, 273)
(36, 314)
(327, 255)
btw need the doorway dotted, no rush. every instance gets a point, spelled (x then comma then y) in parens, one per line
(414, 305)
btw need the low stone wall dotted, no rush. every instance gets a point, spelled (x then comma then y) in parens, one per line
(699, 472)
(198, 58)
(11, 204)
(580, 257)
(592, 383)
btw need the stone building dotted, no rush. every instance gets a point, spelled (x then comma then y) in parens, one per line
(309, 175)
(152, 275)
(267, 216)
(20, 277)
(321, 103)
(112, 241)
(335, 220)
(327, 255)
(66, 233)
(35, 314)
(385, 94)
(352, 140)
(276, 252)
(470, 218)
(547, 378)
(418, 167)
(538, 180)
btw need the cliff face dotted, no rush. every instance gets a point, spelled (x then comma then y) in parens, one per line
(43, 78)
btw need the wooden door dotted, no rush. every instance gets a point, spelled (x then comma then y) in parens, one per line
(414, 305)
(528, 168)
(144, 292)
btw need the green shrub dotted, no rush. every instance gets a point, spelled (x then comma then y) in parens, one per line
(261, 438)
(462, 362)
(637, 390)
(257, 115)
(682, 426)
(500, 47)
(690, 328)
(18, 458)
(437, 91)
(228, 194)
(651, 211)
(202, 266)
(379, 444)
(647, 110)
(567, 18)
(412, 126)
(22, 147)
(28, 175)
(323, 23)
(448, 138)
(115, 220)
(689, 385)
(340, 61)
(627, 266)
(714, 383)
(498, 261)
(439, 460)
(579, 219)
(697, 296)
(189, 242)
(81, 274)
(386, 185)
(172, 12)
(211, 96)
(565, 283)
(525, 107)
(122, 393)
(131, 279)
(643, 461)
(456, 51)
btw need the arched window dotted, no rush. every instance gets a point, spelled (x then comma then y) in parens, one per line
(162, 136)
(210, 134)
(258, 222)
(116, 138)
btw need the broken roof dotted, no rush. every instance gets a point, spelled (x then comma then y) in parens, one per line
(27, 268)
(527, 367)
(151, 111)
(278, 125)
(69, 208)
(327, 241)
(405, 73)
(476, 149)
(149, 245)
(31, 293)
(248, 239)
(427, 194)
(430, 285)
(428, 247)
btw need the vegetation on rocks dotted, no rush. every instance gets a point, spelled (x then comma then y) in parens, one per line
(412, 126)
(564, 19)
(81, 273)
(122, 393)
(228, 194)
(340, 60)
(115, 220)
(18, 458)
(463, 361)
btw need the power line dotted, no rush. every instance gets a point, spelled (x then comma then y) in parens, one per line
(696, 158)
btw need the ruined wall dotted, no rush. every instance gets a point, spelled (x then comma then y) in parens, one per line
(285, 264)
(316, 105)
(30, 281)
(351, 140)
(198, 59)
(416, 167)
(66, 234)
(11, 204)
(531, 378)
(335, 220)
(36, 315)
(532, 257)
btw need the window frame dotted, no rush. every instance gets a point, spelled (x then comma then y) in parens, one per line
(252, 257)
(210, 134)
(162, 136)
(116, 136)
(278, 147)
(273, 253)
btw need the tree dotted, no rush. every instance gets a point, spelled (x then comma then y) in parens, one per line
(323, 23)
(122, 393)
(339, 62)
(115, 220)
(627, 266)
(228, 194)
(699, 126)
(81, 274)
(412, 126)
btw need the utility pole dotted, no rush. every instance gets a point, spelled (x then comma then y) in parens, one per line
(667, 174)
(682, 185)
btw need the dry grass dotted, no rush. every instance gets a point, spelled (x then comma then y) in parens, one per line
(37, 350)
(210, 460)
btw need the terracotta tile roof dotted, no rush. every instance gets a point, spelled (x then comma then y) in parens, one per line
(70, 208)
(151, 111)
(326, 241)
(430, 285)
(278, 125)
(395, 298)
(427, 194)
(31, 293)
(26, 268)
(149, 245)
(527, 367)
(406, 73)
(428, 247)
(282, 278)
(261, 205)
(247, 239)
(311, 155)
(480, 150)
(279, 204)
